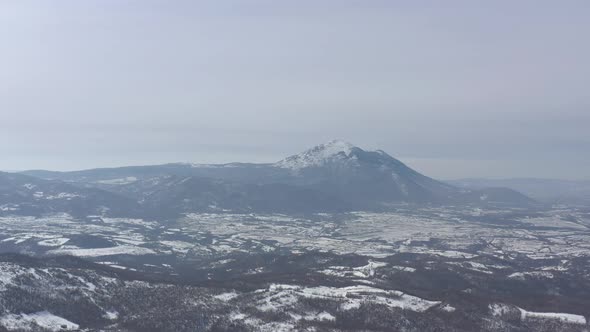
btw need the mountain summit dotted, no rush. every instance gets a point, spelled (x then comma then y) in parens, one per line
(357, 175)
(336, 150)
(375, 179)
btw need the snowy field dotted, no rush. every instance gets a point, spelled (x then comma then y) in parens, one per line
(443, 232)
(284, 273)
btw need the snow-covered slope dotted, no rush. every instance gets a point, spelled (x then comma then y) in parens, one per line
(27, 195)
(362, 176)
(333, 151)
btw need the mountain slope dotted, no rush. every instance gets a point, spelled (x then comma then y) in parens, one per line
(169, 196)
(358, 175)
(545, 190)
(26, 195)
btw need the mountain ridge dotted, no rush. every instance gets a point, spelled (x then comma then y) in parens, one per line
(554, 191)
(338, 175)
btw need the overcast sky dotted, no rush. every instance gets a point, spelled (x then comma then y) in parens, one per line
(453, 88)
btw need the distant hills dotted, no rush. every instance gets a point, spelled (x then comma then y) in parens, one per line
(331, 177)
(28, 195)
(544, 190)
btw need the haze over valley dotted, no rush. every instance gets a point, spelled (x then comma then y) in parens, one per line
(287, 166)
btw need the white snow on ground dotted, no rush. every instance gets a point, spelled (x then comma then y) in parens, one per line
(130, 221)
(133, 241)
(126, 180)
(563, 266)
(382, 234)
(237, 316)
(568, 318)
(443, 253)
(8, 239)
(339, 271)
(43, 319)
(478, 267)
(369, 269)
(53, 242)
(111, 315)
(117, 266)
(179, 246)
(403, 268)
(278, 296)
(372, 234)
(317, 156)
(499, 309)
(474, 266)
(321, 316)
(8, 272)
(366, 271)
(120, 250)
(534, 274)
(18, 239)
(448, 308)
(313, 316)
(66, 196)
(226, 296)
(261, 326)
(9, 207)
(12, 274)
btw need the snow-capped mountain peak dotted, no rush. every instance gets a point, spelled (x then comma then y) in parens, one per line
(334, 147)
(319, 155)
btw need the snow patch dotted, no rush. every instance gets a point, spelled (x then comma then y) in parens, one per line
(279, 296)
(319, 317)
(179, 246)
(568, 318)
(318, 156)
(226, 296)
(43, 319)
(53, 242)
(447, 308)
(499, 309)
(66, 196)
(120, 181)
(97, 252)
(534, 274)
(111, 315)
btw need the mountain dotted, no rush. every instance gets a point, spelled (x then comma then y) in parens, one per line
(109, 177)
(330, 177)
(497, 196)
(27, 195)
(169, 196)
(544, 190)
(367, 177)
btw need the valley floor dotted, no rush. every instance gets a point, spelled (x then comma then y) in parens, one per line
(427, 269)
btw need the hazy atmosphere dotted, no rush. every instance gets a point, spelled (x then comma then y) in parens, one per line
(454, 89)
(294, 166)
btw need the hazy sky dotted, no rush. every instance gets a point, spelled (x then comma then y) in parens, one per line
(453, 88)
